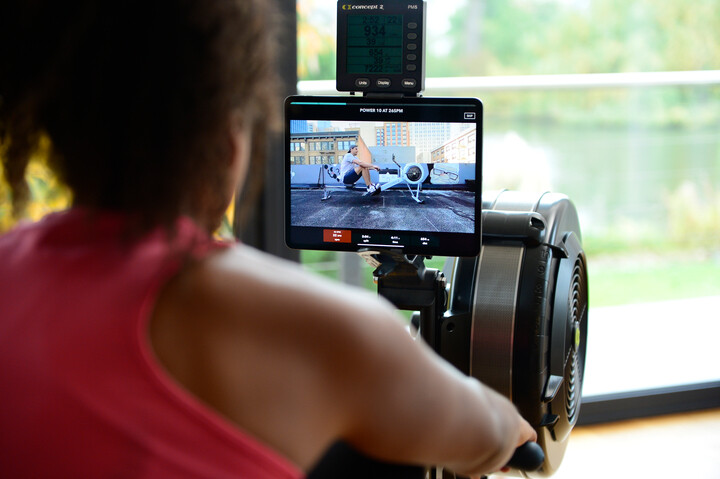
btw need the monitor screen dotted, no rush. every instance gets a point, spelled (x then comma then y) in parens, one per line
(374, 44)
(372, 173)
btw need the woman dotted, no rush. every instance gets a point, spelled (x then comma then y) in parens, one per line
(132, 343)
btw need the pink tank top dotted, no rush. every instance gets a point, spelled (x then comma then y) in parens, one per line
(81, 393)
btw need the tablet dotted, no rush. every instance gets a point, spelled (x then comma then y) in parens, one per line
(396, 173)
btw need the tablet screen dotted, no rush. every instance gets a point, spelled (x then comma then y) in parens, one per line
(401, 173)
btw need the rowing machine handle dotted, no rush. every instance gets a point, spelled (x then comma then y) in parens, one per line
(528, 457)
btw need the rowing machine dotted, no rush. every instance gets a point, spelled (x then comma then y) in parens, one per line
(412, 174)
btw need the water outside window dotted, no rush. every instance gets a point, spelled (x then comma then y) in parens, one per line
(640, 159)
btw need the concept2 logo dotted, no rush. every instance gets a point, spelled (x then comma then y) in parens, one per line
(363, 7)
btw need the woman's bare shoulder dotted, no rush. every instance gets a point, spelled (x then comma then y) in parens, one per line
(243, 320)
(266, 283)
(245, 294)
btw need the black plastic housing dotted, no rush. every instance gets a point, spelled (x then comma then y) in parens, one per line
(544, 323)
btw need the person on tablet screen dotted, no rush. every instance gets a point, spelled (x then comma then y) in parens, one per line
(352, 168)
(133, 343)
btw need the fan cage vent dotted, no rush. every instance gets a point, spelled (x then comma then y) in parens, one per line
(578, 308)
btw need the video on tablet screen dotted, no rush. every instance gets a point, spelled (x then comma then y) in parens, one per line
(401, 174)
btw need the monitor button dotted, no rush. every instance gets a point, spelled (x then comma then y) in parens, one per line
(362, 82)
(412, 25)
(412, 36)
(411, 68)
(383, 83)
(409, 83)
(412, 46)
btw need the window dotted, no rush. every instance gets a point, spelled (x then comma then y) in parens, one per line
(615, 104)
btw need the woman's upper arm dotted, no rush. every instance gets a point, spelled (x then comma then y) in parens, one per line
(328, 362)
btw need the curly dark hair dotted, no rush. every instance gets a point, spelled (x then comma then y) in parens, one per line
(135, 97)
